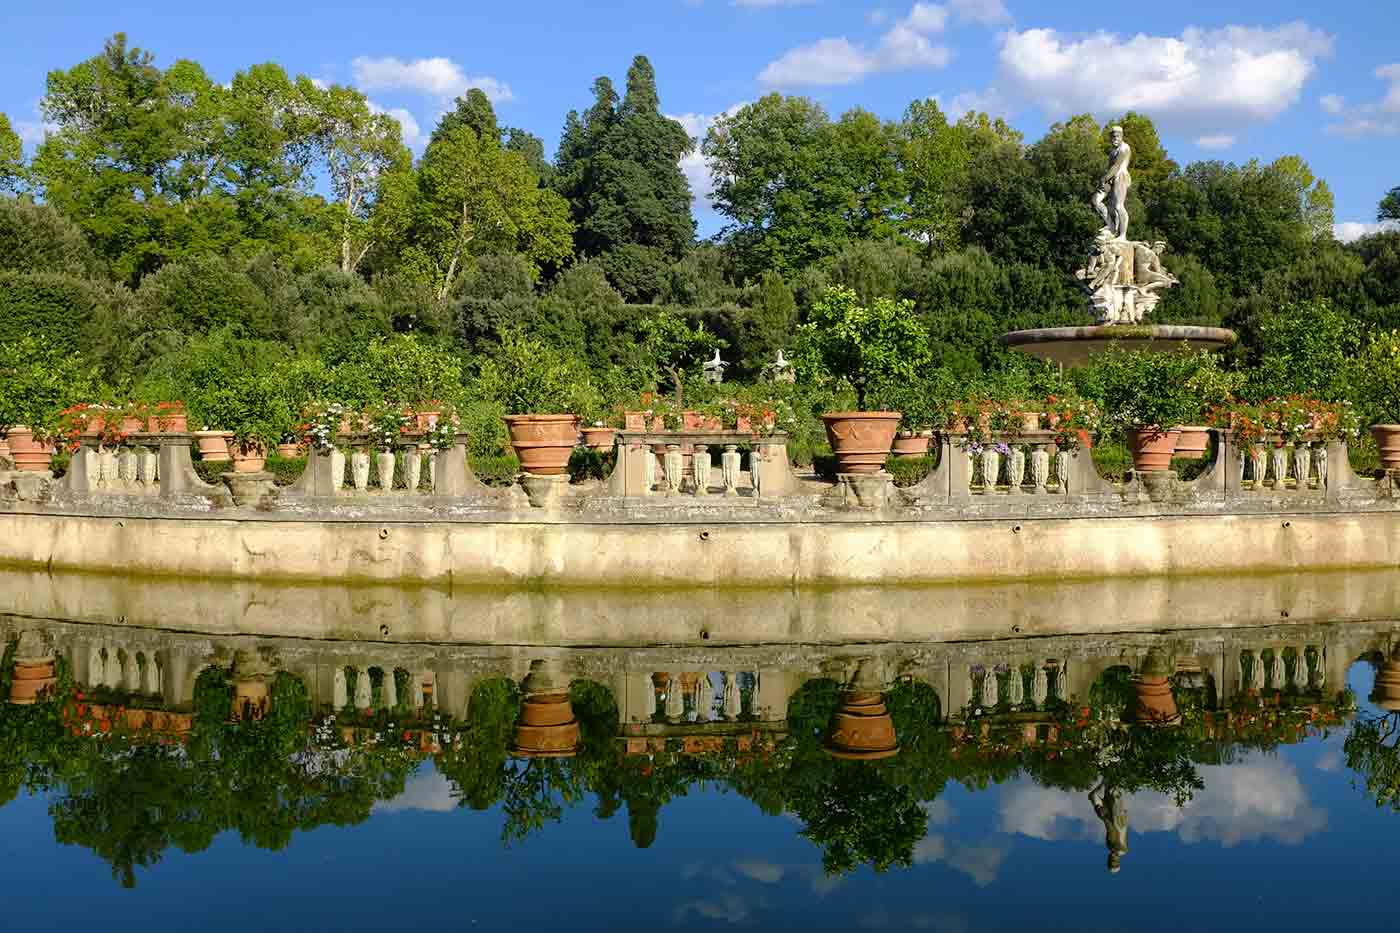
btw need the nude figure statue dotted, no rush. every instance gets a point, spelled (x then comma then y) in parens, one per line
(1113, 187)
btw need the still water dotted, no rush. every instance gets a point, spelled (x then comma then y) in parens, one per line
(1187, 777)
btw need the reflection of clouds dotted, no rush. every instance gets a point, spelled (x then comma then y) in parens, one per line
(1260, 799)
(425, 790)
(1330, 760)
(941, 923)
(727, 907)
(760, 870)
(939, 812)
(979, 862)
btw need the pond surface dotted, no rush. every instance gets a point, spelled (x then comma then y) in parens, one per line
(1191, 777)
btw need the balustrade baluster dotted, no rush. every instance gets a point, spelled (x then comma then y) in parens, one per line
(1278, 457)
(362, 688)
(729, 469)
(990, 689)
(340, 697)
(1016, 687)
(674, 468)
(1040, 686)
(1040, 467)
(732, 700)
(1320, 459)
(1062, 470)
(412, 468)
(1302, 465)
(700, 469)
(1016, 468)
(359, 469)
(991, 469)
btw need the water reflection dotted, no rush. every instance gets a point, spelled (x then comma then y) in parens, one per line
(146, 741)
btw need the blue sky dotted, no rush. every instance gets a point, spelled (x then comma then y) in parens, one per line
(1229, 79)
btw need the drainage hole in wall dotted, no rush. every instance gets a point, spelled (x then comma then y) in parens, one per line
(704, 634)
(1015, 529)
(384, 630)
(383, 533)
(704, 536)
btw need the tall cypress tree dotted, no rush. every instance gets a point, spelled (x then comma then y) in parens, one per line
(618, 166)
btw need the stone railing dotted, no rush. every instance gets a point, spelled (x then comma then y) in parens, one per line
(331, 473)
(1013, 464)
(700, 463)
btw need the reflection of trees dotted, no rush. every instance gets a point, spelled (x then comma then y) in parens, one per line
(1371, 752)
(128, 796)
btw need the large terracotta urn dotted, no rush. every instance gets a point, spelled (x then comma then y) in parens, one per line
(1153, 702)
(1388, 444)
(543, 442)
(908, 446)
(248, 457)
(599, 439)
(546, 727)
(213, 446)
(1152, 448)
(27, 453)
(35, 670)
(1386, 692)
(861, 440)
(1193, 442)
(861, 728)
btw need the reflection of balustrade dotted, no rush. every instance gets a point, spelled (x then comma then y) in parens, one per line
(1013, 686)
(687, 464)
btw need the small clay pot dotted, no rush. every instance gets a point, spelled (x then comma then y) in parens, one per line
(909, 446)
(248, 458)
(600, 439)
(1388, 443)
(1193, 442)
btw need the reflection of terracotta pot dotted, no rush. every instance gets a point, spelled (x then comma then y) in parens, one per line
(1386, 693)
(861, 440)
(598, 438)
(861, 729)
(1388, 443)
(32, 679)
(213, 446)
(249, 457)
(1152, 448)
(1193, 442)
(1155, 703)
(27, 453)
(546, 727)
(543, 442)
(909, 446)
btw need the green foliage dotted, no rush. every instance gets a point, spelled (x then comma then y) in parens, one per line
(38, 379)
(1376, 377)
(528, 377)
(1389, 207)
(1305, 348)
(1143, 388)
(38, 238)
(1370, 750)
(872, 347)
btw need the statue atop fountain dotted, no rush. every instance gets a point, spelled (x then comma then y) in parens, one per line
(1122, 276)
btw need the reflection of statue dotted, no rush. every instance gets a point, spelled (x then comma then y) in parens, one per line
(1112, 811)
(1114, 187)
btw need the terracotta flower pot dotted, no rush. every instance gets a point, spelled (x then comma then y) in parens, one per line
(909, 446)
(213, 446)
(546, 727)
(427, 420)
(1386, 692)
(1152, 448)
(248, 457)
(861, 728)
(1030, 421)
(132, 425)
(27, 453)
(170, 418)
(1153, 701)
(1193, 442)
(861, 440)
(4, 449)
(598, 438)
(543, 442)
(1388, 443)
(31, 680)
(288, 451)
(634, 421)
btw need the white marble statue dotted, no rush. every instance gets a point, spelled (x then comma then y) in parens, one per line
(1113, 187)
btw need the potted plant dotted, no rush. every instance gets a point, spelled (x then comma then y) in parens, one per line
(37, 382)
(1147, 395)
(1377, 381)
(386, 424)
(541, 391)
(251, 414)
(288, 447)
(874, 349)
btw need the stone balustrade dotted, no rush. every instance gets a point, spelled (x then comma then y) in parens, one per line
(700, 463)
(414, 468)
(1011, 464)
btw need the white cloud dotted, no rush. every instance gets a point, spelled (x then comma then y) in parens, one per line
(696, 169)
(425, 790)
(1349, 230)
(1255, 800)
(1379, 118)
(1208, 81)
(412, 132)
(441, 78)
(877, 17)
(985, 12)
(1216, 141)
(837, 60)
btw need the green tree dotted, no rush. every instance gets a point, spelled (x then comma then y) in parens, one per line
(476, 197)
(933, 158)
(872, 347)
(1389, 206)
(12, 169)
(1314, 198)
(618, 167)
